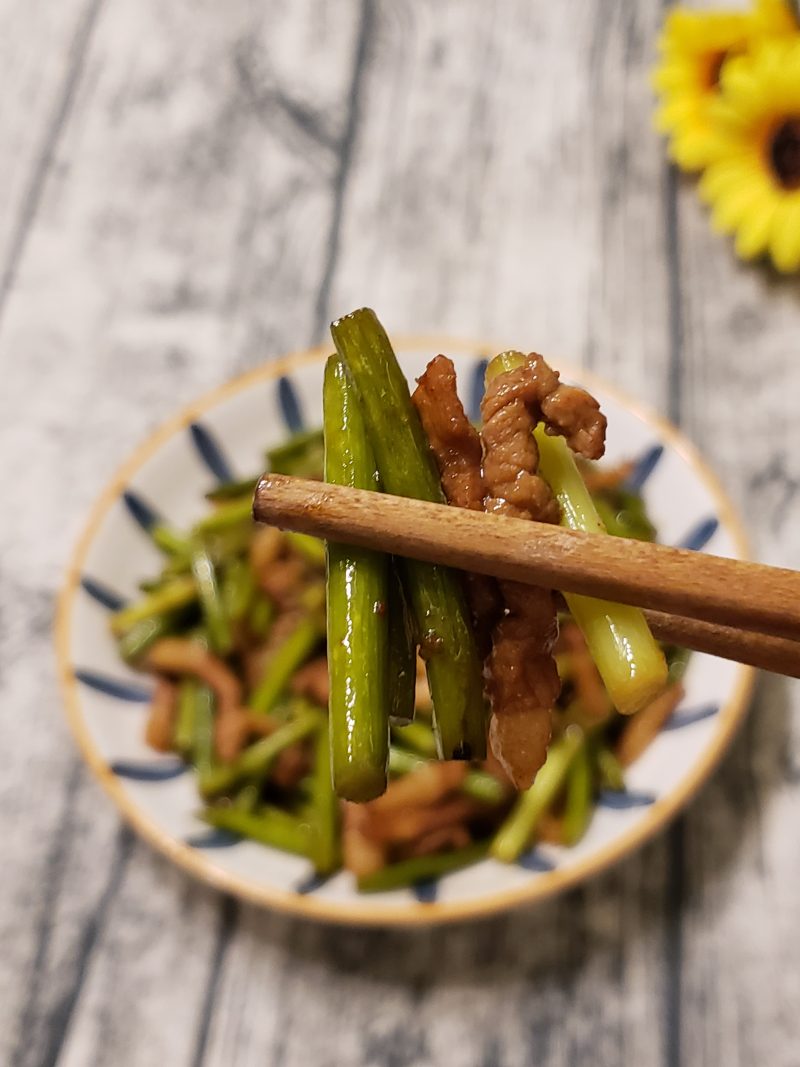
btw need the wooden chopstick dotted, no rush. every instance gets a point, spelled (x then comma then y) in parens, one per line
(776, 654)
(709, 599)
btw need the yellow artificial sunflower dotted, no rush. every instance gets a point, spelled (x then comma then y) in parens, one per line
(694, 45)
(753, 182)
(774, 18)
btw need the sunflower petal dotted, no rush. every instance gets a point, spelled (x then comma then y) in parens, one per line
(720, 178)
(773, 18)
(784, 244)
(690, 148)
(760, 90)
(678, 111)
(731, 210)
(753, 235)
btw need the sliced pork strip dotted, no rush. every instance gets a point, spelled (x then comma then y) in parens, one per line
(523, 680)
(456, 446)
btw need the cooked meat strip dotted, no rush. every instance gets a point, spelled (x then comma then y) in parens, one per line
(574, 414)
(231, 731)
(312, 681)
(180, 655)
(160, 730)
(485, 606)
(641, 728)
(424, 787)
(259, 725)
(422, 693)
(266, 545)
(361, 855)
(291, 766)
(600, 478)
(280, 571)
(258, 659)
(523, 680)
(236, 726)
(283, 580)
(494, 767)
(589, 688)
(453, 439)
(550, 829)
(566, 411)
(445, 839)
(407, 824)
(510, 456)
(456, 446)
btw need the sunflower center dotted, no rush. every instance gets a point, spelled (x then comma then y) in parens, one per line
(784, 153)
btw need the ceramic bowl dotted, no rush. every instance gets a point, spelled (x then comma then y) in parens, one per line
(224, 435)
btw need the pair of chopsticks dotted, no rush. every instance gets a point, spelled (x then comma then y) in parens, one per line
(741, 611)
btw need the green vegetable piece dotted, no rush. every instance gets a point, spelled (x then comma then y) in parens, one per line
(254, 763)
(357, 600)
(232, 490)
(186, 722)
(578, 807)
(401, 761)
(135, 642)
(312, 598)
(203, 754)
(434, 593)
(417, 736)
(301, 455)
(326, 809)
(261, 615)
(485, 788)
(238, 589)
(231, 514)
(168, 597)
(623, 515)
(294, 651)
(516, 833)
(247, 798)
(480, 785)
(268, 825)
(402, 662)
(312, 549)
(421, 869)
(627, 655)
(217, 623)
(678, 661)
(170, 541)
(610, 770)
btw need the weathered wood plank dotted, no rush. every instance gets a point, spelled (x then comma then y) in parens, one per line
(42, 52)
(554, 985)
(180, 235)
(142, 998)
(42, 55)
(739, 380)
(507, 182)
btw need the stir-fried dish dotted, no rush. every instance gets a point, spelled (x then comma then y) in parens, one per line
(336, 702)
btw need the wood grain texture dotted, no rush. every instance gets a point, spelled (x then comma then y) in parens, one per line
(191, 188)
(774, 654)
(714, 588)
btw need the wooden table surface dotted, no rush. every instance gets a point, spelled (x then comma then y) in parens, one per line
(190, 188)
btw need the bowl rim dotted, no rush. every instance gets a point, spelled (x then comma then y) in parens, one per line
(547, 884)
